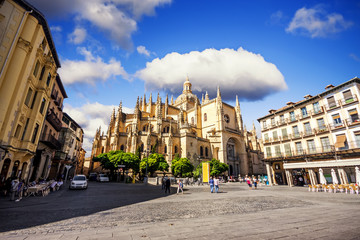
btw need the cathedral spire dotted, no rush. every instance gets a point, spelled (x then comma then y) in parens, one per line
(167, 99)
(218, 93)
(206, 97)
(150, 98)
(136, 110)
(187, 86)
(158, 98)
(172, 100)
(202, 99)
(144, 103)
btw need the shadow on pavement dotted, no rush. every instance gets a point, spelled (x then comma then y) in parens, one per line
(65, 203)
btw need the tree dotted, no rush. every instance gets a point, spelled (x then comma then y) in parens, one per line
(181, 167)
(217, 168)
(112, 159)
(155, 162)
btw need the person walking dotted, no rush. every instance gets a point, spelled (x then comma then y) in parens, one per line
(255, 182)
(248, 181)
(180, 187)
(167, 185)
(163, 183)
(20, 190)
(211, 183)
(14, 188)
(216, 183)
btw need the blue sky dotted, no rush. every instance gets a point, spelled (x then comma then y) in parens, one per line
(266, 52)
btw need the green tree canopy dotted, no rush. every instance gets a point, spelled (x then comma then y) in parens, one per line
(217, 168)
(181, 167)
(112, 159)
(155, 162)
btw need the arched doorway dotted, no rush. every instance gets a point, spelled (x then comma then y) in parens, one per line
(23, 171)
(232, 156)
(15, 169)
(5, 169)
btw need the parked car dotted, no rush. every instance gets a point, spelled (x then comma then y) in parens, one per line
(79, 182)
(92, 176)
(102, 178)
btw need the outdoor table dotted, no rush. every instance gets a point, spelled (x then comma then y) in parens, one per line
(35, 189)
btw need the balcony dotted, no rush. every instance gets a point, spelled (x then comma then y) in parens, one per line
(282, 122)
(303, 116)
(316, 111)
(337, 126)
(349, 100)
(296, 135)
(309, 132)
(332, 106)
(321, 129)
(50, 141)
(53, 120)
(352, 121)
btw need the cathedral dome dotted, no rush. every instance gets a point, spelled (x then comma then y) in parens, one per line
(187, 94)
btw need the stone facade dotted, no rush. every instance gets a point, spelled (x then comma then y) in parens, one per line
(197, 130)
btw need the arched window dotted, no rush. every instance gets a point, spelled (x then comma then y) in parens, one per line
(42, 73)
(167, 129)
(165, 149)
(142, 148)
(206, 152)
(201, 151)
(122, 147)
(176, 149)
(205, 117)
(102, 150)
(145, 128)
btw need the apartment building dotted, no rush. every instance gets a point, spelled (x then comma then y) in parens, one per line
(48, 143)
(28, 65)
(318, 133)
(71, 138)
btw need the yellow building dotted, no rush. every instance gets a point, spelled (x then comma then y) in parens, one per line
(317, 135)
(196, 130)
(28, 63)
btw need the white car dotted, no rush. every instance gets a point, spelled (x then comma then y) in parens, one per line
(102, 178)
(79, 182)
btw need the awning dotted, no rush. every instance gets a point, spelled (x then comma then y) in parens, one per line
(353, 112)
(340, 141)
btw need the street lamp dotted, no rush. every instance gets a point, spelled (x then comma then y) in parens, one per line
(147, 159)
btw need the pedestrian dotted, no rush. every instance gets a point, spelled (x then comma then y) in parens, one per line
(255, 182)
(20, 190)
(180, 187)
(167, 185)
(248, 181)
(211, 183)
(163, 182)
(216, 183)
(14, 188)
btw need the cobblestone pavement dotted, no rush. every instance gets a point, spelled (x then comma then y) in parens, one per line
(124, 211)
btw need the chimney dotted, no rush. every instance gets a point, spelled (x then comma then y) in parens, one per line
(271, 111)
(328, 87)
(308, 96)
(289, 103)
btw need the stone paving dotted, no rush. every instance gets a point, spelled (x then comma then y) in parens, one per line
(277, 212)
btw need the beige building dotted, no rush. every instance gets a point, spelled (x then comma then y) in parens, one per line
(71, 137)
(28, 65)
(317, 134)
(193, 129)
(48, 143)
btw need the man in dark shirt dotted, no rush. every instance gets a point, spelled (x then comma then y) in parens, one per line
(167, 185)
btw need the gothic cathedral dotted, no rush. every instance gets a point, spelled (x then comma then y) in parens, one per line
(196, 130)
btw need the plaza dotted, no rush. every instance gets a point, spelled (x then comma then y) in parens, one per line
(136, 211)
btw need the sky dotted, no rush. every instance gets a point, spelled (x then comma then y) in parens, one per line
(266, 52)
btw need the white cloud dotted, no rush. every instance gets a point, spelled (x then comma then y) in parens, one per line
(235, 71)
(316, 22)
(116, 18)
(143, 50)
(90, 70)
(90, 116)
(56, 28)
(355, 57)
(78, 36)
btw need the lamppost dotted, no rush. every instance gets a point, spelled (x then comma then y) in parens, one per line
(147, 159)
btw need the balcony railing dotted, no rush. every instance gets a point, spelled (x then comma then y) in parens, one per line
(53, 120)
(334, 126)
(50, 141)
(321, 129)
(349, 100)
(352, 121)
(314, 150)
